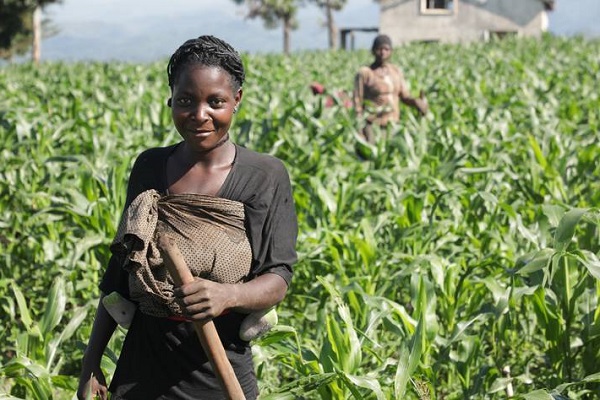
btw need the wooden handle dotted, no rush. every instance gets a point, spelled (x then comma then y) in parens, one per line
(207, 333)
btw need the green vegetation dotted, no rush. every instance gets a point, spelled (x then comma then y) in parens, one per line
(459, 261)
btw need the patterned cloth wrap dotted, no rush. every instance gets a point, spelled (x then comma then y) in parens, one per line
(209, 232)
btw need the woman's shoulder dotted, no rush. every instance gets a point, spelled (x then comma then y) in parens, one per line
(154, 154)
(257, 160)
(364, 71)
(262, 170)
(397, 70)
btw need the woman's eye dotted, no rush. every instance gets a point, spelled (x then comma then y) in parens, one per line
(183, 101)
(217, 103)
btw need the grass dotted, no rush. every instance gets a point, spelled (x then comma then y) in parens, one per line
(466, 244)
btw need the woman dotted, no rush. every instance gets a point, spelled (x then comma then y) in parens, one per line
(378, 87)
(237, 208)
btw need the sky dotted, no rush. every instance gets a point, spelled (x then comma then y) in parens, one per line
(149, 30)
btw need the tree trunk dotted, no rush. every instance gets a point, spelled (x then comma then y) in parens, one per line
(287, 29)
(331, 28)
(36, 47)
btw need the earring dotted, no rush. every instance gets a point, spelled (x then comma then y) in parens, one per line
(235, 109)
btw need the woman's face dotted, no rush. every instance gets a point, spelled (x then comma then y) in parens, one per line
(382, 52)
(202, 106)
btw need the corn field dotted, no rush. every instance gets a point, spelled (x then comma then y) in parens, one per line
(458, 259)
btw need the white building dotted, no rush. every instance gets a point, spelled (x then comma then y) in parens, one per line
(462, 20)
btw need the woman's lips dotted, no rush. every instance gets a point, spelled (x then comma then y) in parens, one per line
(201, 132)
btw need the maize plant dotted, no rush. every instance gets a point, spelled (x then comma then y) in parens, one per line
(457, 258)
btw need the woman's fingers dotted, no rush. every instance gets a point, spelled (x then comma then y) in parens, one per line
(202, 299)
(102, 392)
(197, 286)
(94, 388)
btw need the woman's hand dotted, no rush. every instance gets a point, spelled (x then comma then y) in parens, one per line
(203, 300)
(92, 386)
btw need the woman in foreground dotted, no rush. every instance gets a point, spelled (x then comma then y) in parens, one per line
(233, 215)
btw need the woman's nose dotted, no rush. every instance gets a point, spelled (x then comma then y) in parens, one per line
(199, 112)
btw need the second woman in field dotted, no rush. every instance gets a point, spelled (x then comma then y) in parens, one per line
(379, 88)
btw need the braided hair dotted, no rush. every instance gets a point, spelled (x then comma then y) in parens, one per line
(207, 51)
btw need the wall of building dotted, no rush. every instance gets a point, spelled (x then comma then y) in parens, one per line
(471, 20)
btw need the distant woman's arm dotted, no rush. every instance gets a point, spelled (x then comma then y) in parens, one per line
(358, 94)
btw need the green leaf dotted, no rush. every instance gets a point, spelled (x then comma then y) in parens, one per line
(369, 383)
(350, 386)
(538, 395)
(402, 374)
(591, 262)
(566, 227)
(301, 386)
(500, 384)
(540, 260)
(66, 382)
(75, 322)
(22, 304)
(553, 213)
(278, 396)
(592, 378)
(461, 328)
(325, 196)
(65, 334)
(8, 397)
(367, 247)
(55, 307)
(537, 152)
(277, 334)
(416, 346)
(499, 293)
(352, 343)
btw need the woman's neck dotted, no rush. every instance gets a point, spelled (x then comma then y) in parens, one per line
(221, 155)
(379, 64)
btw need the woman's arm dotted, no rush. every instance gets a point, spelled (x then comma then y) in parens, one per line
(420, 103)
(91, 378)
(260, 293)
(204, 300)
(358, 95)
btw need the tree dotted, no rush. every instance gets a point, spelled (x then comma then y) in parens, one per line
(21, 27)
(274, 13)
(13, 32)
(329, 6)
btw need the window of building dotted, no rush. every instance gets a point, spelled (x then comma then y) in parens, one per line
(438, 6)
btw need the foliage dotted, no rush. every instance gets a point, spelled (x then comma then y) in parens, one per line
(16, 27)
(328, 6)
(459, 260)
(275, 13)
(332, 4)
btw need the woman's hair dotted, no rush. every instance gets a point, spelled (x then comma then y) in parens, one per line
(208, 51)
(381, 40)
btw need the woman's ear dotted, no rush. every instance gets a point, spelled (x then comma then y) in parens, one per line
(169, 102)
